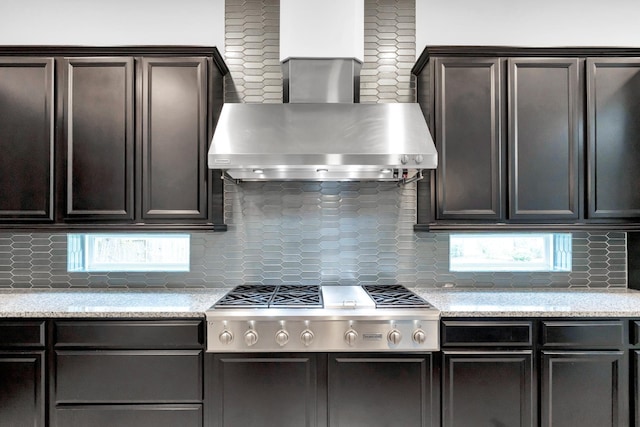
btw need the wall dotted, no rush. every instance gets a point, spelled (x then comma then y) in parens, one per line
(292, 232)
(112, 22)
(527, 23)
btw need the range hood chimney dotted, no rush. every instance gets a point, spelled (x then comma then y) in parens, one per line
(321, 132)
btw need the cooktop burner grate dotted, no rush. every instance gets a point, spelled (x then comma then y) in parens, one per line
(295, 296)
(264, 296)
(394, 296)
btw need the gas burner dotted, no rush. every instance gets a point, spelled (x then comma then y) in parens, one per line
(394, 296)
(264, 296)
(257, 296)
(294, 296)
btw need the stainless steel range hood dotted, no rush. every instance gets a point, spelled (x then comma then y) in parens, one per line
(320, 133)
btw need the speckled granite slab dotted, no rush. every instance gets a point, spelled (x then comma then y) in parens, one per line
(194, 303)
(533, 303)
(108, 303)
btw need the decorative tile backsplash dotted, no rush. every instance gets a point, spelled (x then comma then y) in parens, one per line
(293, 232)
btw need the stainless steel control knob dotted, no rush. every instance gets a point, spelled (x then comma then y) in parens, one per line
(419, 336)
(350, 336)
(226, 337)
(404, 159)
(306, 337)
(394, 336)
(250, 337)
(419, 159)
(282, 337)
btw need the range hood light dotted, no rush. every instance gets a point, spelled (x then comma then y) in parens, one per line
(386, 170)
(322, 170)
(258, 171)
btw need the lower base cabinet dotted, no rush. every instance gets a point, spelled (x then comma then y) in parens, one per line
(22, 389)
(127, 373)
(293, 390)
(383, 390)
(488, 389)
(260, 390)
(586, 389)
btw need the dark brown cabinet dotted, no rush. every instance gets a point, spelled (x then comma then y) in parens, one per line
(584, 373)
(383, 390)
(127, 373)
(265, 390)
(531, 138)
(543, 139)
(487, 388)
(488, 373)
(174, 138)
(111, 136)
(499, 123)
(22, 373)
(469, 178)
(585, 388)
(99, 137)
(613, 138)
(27, 132)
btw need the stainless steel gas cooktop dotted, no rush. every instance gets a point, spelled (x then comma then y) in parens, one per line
(297, 318)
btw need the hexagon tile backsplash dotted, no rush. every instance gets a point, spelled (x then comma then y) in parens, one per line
(314, 232)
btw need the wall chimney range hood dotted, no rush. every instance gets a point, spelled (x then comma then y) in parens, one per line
(320, 133)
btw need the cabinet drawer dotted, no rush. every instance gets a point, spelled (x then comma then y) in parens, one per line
(592, 334)
(486, 334)
(132, 334)
(130, 416)
(128, 376)
(22, 334)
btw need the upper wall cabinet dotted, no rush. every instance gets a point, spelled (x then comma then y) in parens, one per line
(174, 138)
(129, 133)
(27, 130)
(510, 126)
(543, 146)
(613, 140)
(99, 136)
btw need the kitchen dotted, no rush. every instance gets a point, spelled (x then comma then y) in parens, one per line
(321, 232)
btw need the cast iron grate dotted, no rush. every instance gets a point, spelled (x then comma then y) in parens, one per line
(394, 296)
(264, 296)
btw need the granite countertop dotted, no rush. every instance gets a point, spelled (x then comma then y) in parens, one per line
(193, 303)
(108, 303)
(534, 303)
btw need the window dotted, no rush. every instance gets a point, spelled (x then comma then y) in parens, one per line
(128, 252)
(510, 252)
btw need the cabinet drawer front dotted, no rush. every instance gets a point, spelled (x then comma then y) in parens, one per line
(593, 334)
(22, 334)
(130, 334)
(470, 333)
(128, 376)
(130, 416)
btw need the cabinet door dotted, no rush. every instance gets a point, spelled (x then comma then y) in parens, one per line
(264, 390)
(26, 139)
(586, 389)
(99, 136)
(544, 142)
(488, 389)
(174, 132)
(22, 389)
(613, 137)
(385, 390)
(468, 138)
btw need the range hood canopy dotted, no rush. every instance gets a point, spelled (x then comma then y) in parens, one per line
(320, 133)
